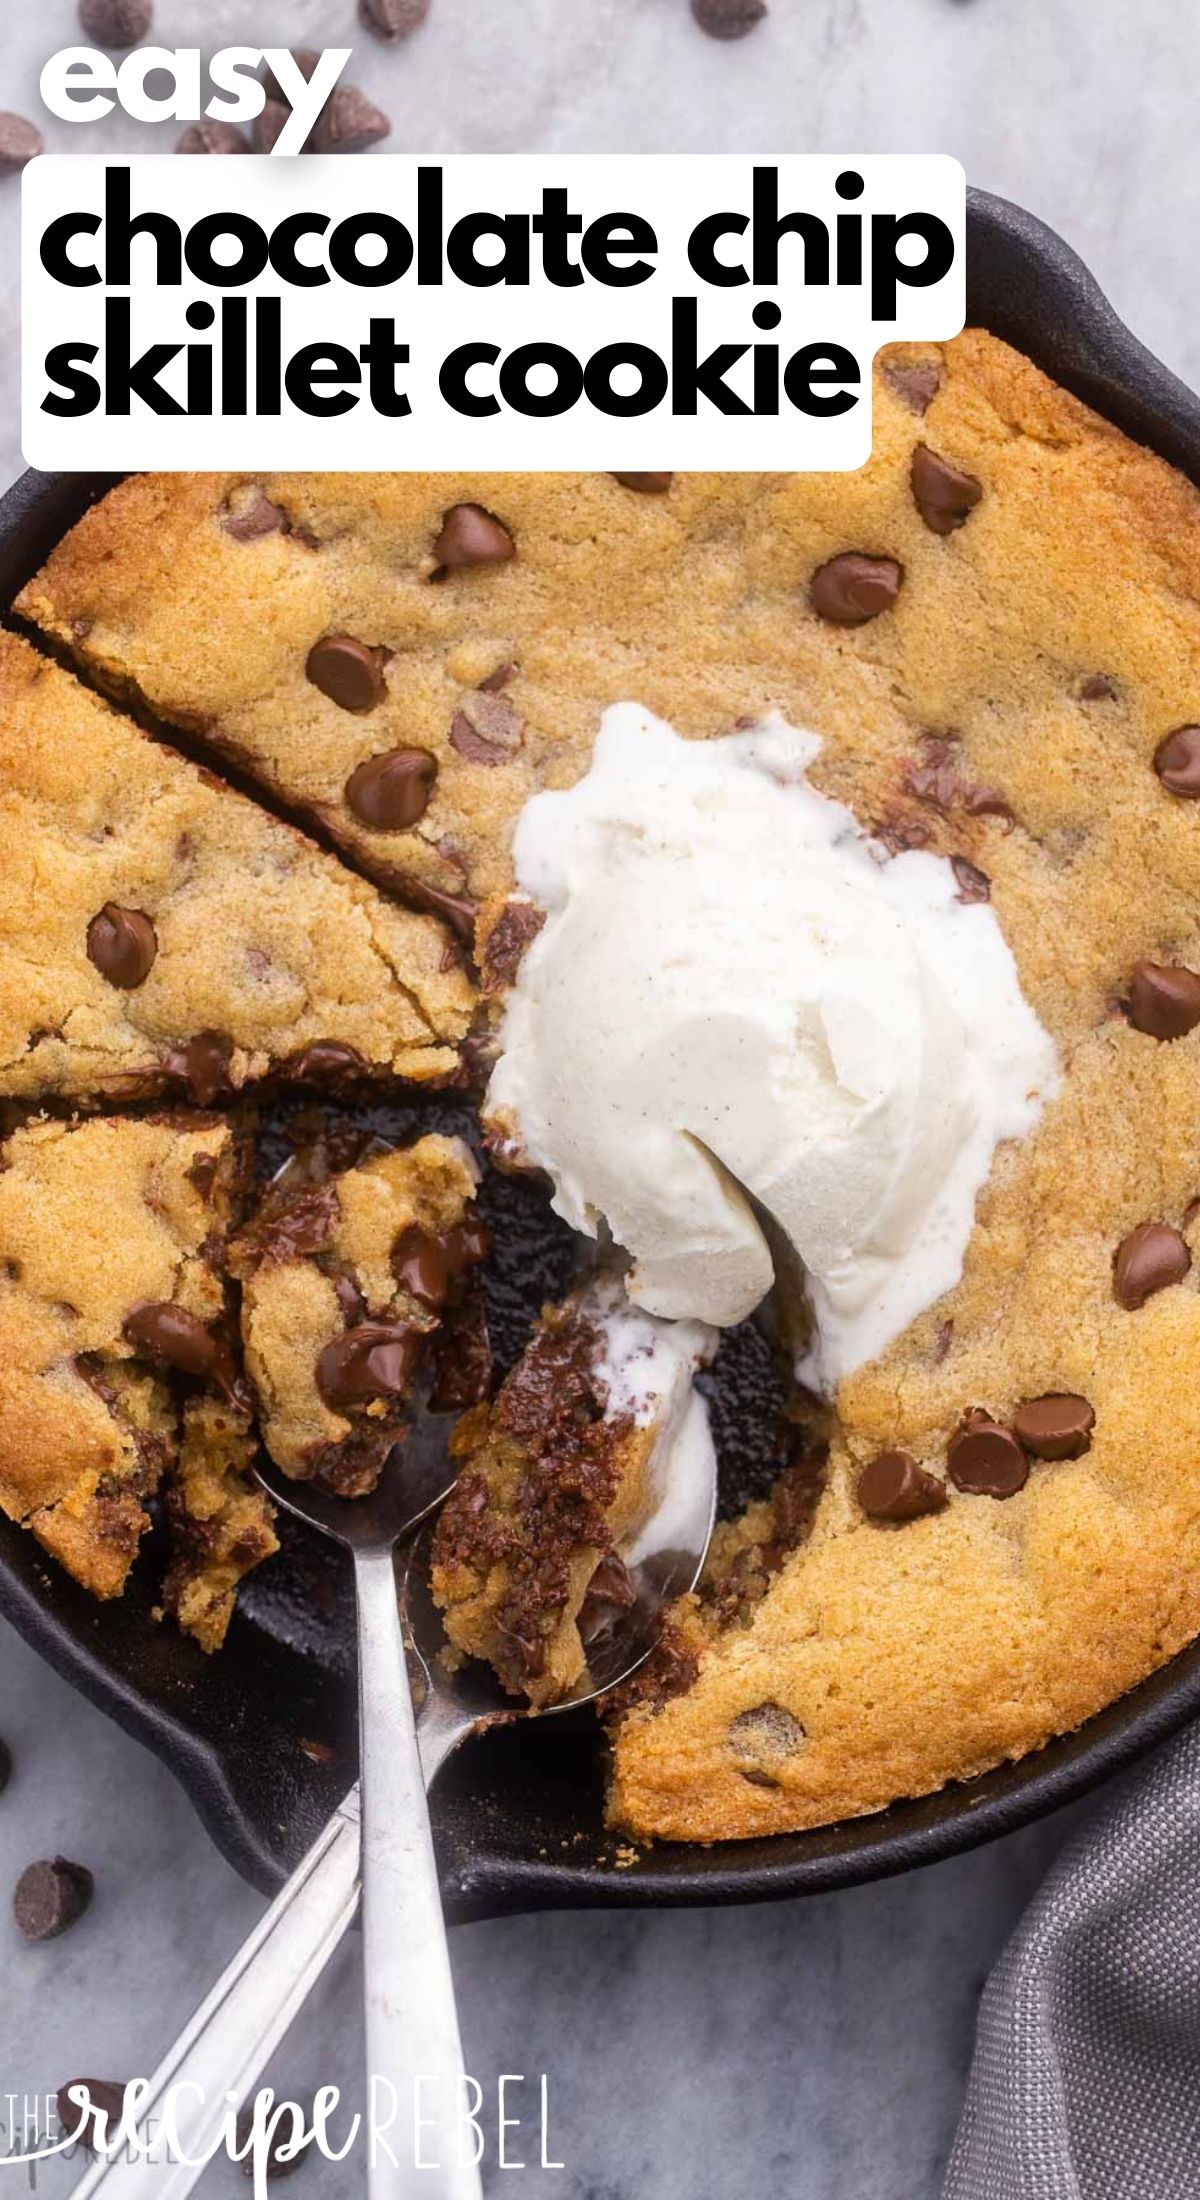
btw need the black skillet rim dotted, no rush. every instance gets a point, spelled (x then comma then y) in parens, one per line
(1027, 286)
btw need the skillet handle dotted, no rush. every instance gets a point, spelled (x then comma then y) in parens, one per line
(234, 2033)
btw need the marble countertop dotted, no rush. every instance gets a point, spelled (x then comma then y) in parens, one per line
(818, 2047)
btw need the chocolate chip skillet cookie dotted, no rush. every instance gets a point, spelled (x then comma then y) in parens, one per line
(994, 629)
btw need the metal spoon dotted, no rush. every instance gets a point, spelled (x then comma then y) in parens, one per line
(231, 2038)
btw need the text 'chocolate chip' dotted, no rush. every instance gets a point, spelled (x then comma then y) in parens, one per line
(852, 588)
(1152, 1257)
(122, 944)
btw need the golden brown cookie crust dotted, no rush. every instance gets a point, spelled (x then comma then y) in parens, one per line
(260, 936)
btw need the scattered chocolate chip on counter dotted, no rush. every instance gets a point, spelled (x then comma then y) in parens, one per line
(470, 536)
(944, 496)
(1056, 1426)
(122, 945)
(728, 18)
(349, 122)
(1164, 1000)
(105, 2094)
(20, 142)
(985, 1460)
(214, 137)
(278, 2163)
(392, 19)
(1146, 1261)
(852, 588)
(349, 672)
(116, 23)
(51, 1896)
(893, 1487)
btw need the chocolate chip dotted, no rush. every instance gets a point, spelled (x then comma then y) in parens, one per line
(610, 1592)
(984, 1460)
(420, 1267)
(5, 1765)
(278, 2163)
(326, 1062)
(766, 1731)
(168, 1332)
(894, 1487)
(1150, 1258)
(728, 18)
(392, 19)
(49, 1897)
(487, 728)
(116, 22)
(107, 2095)
(469, 1242)
(348, 672)
(122, 944)
(852, 588)
(915, 383)
(1058, 1426)
(1164, 999)
(646, 485)
(944, 496)
(349, 122)
(1098, 688)
(456, 910)
(375, 1360)
(516, 927)
(305, 59)
(973, 884)
(203, 1065)
(269, 123)
(248, 513)
(1177, 762)
(350, 1299)
(213, 137)
(391, 791)
(20, 142)
(471, 536)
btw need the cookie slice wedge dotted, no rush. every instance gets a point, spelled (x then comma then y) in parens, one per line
(555, 1478)
(112, 1235)
(160, 932)
(346, 1279)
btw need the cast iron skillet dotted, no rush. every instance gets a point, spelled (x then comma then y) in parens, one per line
(262, 1736)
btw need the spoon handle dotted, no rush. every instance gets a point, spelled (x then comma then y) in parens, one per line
(414, 2055)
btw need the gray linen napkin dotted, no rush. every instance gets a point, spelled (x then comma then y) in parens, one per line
(1086, 2079)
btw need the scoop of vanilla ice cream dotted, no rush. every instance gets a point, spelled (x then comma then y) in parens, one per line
(739, 1000)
